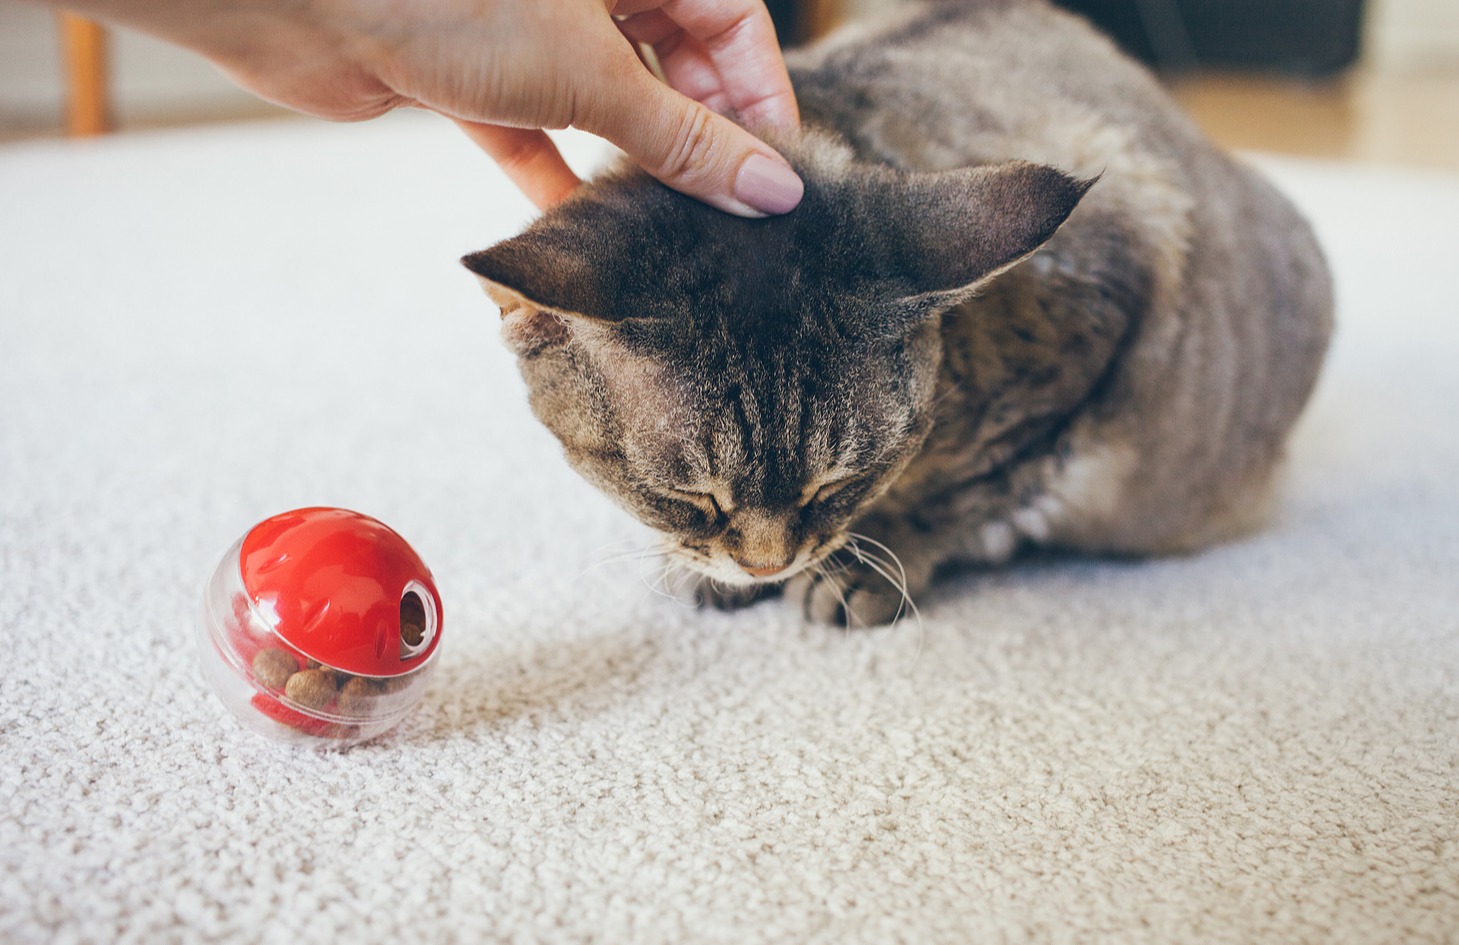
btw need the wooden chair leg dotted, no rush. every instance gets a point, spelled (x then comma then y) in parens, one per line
(88, 100)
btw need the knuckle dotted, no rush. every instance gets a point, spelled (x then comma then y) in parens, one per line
(692, 148)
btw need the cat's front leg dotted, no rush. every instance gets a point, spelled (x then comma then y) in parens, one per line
(872, 580)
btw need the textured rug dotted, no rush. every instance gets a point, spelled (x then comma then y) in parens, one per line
(198, 330)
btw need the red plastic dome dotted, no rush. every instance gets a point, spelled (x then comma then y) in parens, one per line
(343, 589)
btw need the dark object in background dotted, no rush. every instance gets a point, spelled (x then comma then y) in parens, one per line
(789, 20)
(1310, 37)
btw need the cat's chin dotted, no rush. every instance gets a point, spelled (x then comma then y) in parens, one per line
(729, 574)
(733, 576)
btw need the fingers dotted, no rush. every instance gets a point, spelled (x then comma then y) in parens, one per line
(693, 150)
(722, 52)
(529, 158)
(738, 39)
(684, 61)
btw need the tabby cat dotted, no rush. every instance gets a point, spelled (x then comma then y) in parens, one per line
(1024, 303)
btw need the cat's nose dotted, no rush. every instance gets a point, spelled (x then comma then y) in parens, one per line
(771, 571)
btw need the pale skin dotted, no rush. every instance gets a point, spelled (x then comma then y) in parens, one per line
(505, 70)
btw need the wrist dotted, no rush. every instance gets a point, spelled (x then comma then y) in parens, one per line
(218, 29)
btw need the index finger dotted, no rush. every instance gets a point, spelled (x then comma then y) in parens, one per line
(528, 157)
(739, 37)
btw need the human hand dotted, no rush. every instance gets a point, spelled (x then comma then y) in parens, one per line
(504, 70)
(720, 57)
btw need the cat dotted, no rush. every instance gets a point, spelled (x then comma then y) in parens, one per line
(1023, 304)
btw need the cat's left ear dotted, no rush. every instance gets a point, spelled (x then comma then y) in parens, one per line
(955, 230)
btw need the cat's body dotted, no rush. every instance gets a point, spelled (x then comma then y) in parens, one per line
(1126, 389)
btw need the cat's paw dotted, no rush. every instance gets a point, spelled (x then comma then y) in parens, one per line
(851, 596)
(701, 591)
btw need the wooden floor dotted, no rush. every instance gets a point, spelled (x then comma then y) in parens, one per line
(1409, 119)
(1405, 119)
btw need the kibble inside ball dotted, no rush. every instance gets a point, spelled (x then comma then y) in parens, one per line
(274, 666)
(393, 684)
(311, 688)
(355, 697)
(412, 620)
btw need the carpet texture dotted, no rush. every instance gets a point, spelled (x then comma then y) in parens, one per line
(198, 330)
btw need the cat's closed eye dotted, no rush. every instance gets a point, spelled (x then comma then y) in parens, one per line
(706, 502)
(825, 491)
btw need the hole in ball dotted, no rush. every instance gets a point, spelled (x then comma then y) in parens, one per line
(412, 620)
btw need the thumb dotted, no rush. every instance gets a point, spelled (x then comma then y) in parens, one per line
(696, 151)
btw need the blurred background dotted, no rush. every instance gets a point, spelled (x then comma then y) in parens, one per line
(1368, 80)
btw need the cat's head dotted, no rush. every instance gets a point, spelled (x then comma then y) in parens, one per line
(749, 387)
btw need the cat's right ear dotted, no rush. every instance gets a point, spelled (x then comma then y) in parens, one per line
(535, 306)
(527, 327)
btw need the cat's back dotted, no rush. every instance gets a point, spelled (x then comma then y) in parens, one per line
(946, 83)
(1231, 308)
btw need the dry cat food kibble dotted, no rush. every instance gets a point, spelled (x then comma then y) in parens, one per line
(300, 648)
(311, 688)
(317, 686)
(412, 621)
(355, 694)
(273, 667)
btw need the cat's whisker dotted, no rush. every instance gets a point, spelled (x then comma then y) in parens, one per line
(882, 566)
(670, 580)
(952, 389)
(879, 566)
(864, 557)
(870, 558)
(648, 578)
(618, 543)
(883, 569)
(837, 588)
(905, 605)
(634, 556)
(831, 564)
(686, 574)
(636, 553)
(652, 583)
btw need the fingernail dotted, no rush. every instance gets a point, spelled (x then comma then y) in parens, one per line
(768, 185)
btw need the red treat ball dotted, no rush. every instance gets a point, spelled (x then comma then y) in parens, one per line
(317, 602)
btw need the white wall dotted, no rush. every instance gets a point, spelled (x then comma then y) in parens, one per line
(1413, 34)
(1400, 35)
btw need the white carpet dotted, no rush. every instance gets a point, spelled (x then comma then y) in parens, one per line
(1256, 745)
